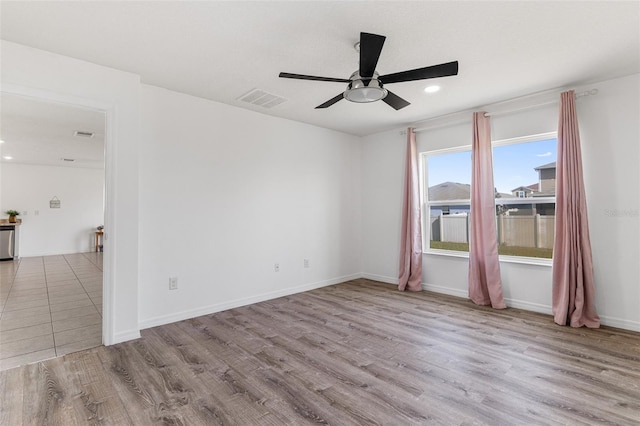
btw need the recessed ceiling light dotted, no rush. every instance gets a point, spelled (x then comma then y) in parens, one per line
(7, 157)
(431, 89)
(1, 141)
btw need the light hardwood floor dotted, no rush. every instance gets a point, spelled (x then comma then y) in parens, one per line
(49, 306)
(351, 354)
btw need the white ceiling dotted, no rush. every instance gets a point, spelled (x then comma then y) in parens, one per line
(221, 50)
(37, 132)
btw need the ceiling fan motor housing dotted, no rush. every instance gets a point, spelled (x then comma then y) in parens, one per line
(364, 90)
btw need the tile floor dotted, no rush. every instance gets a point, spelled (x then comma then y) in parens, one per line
(49, 306)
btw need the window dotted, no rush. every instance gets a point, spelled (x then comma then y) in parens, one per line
(525, 224)
(448, 174)
(524, 177)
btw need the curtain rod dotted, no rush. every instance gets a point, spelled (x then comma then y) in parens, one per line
(467, 113)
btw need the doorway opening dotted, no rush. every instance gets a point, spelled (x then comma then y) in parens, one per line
(53, 171)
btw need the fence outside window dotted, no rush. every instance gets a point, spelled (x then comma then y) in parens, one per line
(525, 227)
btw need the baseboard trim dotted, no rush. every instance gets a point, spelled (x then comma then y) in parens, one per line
(512, 303)
(534, 307)
(528, 306)
(124, 336)
(381, 278)
(219, 307)
(55, 253)
(619, 323)
(445, 290)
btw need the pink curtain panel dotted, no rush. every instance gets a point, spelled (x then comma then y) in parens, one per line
(485, 284)
(410, 271)
(573, 284)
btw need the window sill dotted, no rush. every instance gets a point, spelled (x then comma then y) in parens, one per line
(448, 253)
(539, 261)
(503, 259)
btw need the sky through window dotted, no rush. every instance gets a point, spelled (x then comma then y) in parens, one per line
(513, 165)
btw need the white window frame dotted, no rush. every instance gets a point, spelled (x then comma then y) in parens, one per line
(426, 205)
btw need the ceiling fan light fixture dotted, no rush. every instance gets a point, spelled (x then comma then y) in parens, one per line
(360, 92)
(365, 94)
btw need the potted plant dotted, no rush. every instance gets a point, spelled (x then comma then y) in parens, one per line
(12, 215)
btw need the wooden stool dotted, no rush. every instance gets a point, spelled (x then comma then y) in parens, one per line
(99, 235)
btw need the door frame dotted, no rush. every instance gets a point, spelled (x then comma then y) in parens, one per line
(108, 266)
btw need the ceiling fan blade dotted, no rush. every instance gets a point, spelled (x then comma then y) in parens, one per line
(395, 101)
(442, 70)
(370, 49)
(311, 77)
(330, 101)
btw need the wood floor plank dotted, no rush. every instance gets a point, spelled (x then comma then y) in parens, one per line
(356, 353)
(101, 402)
(226, 389)
(48, 400)
(125, 375)
(12, 394)
(391, 400)
(210, 392)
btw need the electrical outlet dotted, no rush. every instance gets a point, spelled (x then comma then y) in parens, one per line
(276, 267)
(306, 263)
(173, 283)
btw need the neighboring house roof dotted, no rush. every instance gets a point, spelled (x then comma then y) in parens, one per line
(546, 166)
(450, 191)
(533, 189)
(525, 188)
(458, 191)
(503, 195)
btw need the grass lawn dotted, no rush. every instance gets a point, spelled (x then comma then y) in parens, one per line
(502, 249)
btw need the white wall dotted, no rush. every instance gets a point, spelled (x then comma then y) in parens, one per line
(383, 157)
(226, 193)
(44, 75)
(69, 229)
(610, 131)
(609, 126)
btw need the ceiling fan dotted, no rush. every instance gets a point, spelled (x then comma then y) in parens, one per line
(366, 85)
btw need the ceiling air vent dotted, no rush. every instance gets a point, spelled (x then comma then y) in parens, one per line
(83, 134)
(261, 98)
